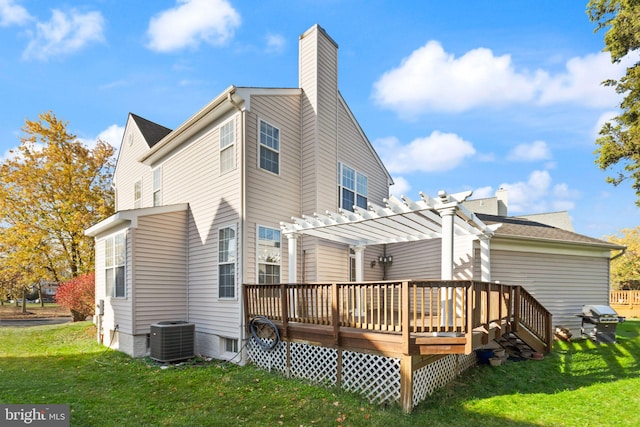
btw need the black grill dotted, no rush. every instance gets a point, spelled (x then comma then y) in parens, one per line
(604, 320)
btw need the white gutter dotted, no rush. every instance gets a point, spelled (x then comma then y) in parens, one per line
(603, 245)
(190, 125)
(131, 216)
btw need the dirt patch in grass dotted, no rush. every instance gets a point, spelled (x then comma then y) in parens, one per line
(34, 311)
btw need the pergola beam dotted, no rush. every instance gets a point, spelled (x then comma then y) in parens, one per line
(399, 220)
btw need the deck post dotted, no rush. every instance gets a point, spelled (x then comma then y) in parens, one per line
(284, 307)
(406, 362)
(245, 303)
(406, 383)
(549, 332)
(406, 319)
(335, 313)
(516, 309)
(468, 348)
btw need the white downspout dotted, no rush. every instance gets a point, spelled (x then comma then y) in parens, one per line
(243, 215)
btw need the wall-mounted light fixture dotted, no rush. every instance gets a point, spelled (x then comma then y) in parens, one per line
(385, 259)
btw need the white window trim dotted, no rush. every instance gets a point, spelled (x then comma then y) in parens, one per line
(278, 151)
(137, 202)
(223, 346)
(230, 147)
(112, 238)
(355, 186)
(279, 263)
(153, 186)
(235, 263)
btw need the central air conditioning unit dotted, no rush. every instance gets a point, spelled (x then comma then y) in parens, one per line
(172, 340)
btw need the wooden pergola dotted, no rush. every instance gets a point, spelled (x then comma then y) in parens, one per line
(399, 220)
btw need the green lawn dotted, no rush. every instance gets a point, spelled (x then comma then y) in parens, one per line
(579, 384)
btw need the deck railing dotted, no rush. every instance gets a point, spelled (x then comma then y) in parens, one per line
(407, 307)
(624, 297)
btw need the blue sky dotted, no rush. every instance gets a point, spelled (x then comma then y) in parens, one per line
(455, 95)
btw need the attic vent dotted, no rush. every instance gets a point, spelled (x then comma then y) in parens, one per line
(172, 340)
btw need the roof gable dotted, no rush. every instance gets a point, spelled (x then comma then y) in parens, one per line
(151, 132)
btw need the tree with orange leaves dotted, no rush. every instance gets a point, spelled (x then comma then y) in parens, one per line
(52, 188)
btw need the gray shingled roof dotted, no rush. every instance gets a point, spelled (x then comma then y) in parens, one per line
(152, 132)
(526, 229)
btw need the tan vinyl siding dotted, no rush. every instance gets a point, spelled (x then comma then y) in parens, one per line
(355, 151)
(333, 262)
(121, 308)
(319, 81)
(100, 273)
(129, 170)
(415, 260)
(462, 257)
(326, 150)
(562, 283)
(373, 273)
(308, 82)
(191, 175)
(160, 269)
(272, 198)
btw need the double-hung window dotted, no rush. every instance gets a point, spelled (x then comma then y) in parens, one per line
(115, 260)
(352, 187)
(137, 194)
(227, 146)
(157, 186)
(268, 255)
(269, 147)
(227, 262)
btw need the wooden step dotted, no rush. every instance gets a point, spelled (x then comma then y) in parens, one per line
(531, 340)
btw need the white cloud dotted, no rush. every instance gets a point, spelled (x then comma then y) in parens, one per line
(582, 81)
(538, 194)
(275, 43)
(400, 186)
(529, 196)
(483, 192)
(430, 79)
(435, 153)
(192, 22)
(13, 14)
(65, 33)
(113, 135)
(537, 150)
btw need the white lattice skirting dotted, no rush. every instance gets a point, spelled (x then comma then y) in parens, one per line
(374, 376)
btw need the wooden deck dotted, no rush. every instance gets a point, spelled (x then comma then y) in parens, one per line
(625, 303)
(401, 318)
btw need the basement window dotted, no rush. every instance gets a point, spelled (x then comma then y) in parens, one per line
(230, 345)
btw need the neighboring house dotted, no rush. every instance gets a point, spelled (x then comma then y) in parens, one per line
(199, 213)
(562, 269)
